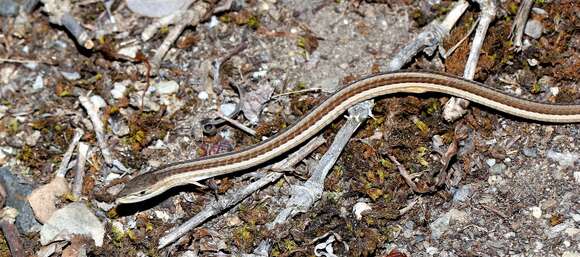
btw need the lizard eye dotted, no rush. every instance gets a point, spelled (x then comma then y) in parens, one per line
(142, 193)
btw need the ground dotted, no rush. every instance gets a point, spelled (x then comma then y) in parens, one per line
(513, 190)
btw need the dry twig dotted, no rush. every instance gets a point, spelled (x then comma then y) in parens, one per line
(235, 196)
(519, 25)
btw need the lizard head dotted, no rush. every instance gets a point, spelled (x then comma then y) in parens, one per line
(141, 188)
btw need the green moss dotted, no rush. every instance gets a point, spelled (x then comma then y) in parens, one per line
(254, 22)
(4, 249)
(536, 88)
(290, 245)
(26, 154)
(13, 126)
(422, 126)
(421, 152)
(434, 107)
(387, 164)
(117, 236)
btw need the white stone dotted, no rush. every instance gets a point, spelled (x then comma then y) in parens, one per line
(571, 254)
(70, 75)
(554, 91)
(98, 102)
(73, 219)
(203, 95)
(118, 90)
(167, 87)
(534, 29)
(38, 83)
(33, 139)
(572, 232)
(359, 208)
(566, 159)
(228, 108)
(130, 51)
(536, 212)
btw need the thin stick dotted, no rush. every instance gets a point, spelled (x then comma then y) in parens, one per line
(452, 49)
(519, 25)
(405, 174)
(98, 127)
(233, 197)
(316, 89)
(236, 123)
(62, 168)
(83, 150)
(11, 234)
(304, 196)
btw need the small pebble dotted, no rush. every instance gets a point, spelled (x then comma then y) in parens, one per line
(130, 51)
(38, 83)
(98, 101)
(564, 159)
(532, 62)
(463, 193)
(509, 235)
(539, 11)
(359, 208)
(70, 75)
(490, 162)
(213, 21)
(534, 29)
(33, 139)
(118, 90)
(530, 152)
(498, 169)
(536, 212)
(203, 95)
(167, 87)
(228, 108)
(259, 74)
(554, 91)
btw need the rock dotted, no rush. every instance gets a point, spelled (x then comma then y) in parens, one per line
(119, 127)
(15, 191)
(534, 29)
(359, 208)
(441, 224)
(533, 62)
(43, 199)
(530, 152)
(536, 212)
(157, 8)
(498, 169)
(228, 108)
(571, 254)
(71, 76)
(33, 139)
(38, 83)
(490, 162)
(73, 219)
(462, 193)
(203, 95)
(98, 102)
(564, 159)
(130, 51)
(119, 89)
(166, 87)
